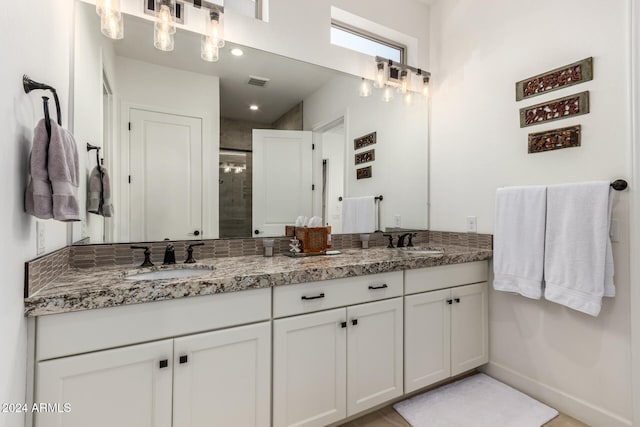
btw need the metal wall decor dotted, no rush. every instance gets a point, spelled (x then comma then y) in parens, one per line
(363, 173)
(363, 141)
(365, 156)
(573, 105)
(555, 79)
(555, 139)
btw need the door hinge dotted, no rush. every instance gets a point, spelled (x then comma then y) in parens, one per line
(313, 187)
(129, 179)
(129, 125)
(313, 146)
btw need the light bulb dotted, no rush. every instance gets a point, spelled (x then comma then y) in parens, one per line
(365, 88)
(408, 98)
(381, 78)
(387, 94)
(166, 16)
(107, 6)
(215, 27)
(425, 86)
(162, 40)
(405, 82)
(209, 50)
(111, 25)
(227, 169)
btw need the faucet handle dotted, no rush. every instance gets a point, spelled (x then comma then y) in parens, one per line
(169, 255)
(190, 259)
(390, 237)
(411, 236)
(147, 256)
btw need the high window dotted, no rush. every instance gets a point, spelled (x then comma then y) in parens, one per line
(362, 41)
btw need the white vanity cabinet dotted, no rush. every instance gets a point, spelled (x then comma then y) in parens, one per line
(338, 362)
(446, 330)
(222, 377)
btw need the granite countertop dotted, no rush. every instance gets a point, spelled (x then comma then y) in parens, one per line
(89, 288)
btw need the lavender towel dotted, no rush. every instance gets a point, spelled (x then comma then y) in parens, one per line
(99, 190)
(53, 188)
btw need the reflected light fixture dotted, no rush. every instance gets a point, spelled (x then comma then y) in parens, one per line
(365, 88)
(237, 52)
(253, 107)
(213, 38)
(165, 25)
(405, 82)
(380, 76)
(111, 23)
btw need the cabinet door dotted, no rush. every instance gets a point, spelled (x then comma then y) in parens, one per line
(124, 387)
(222, 378)
(427, 339)
(374, 354)
(469, 328)
(309, 369)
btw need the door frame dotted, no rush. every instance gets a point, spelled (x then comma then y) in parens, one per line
(208, 193)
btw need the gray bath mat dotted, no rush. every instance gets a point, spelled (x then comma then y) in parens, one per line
(477, 401)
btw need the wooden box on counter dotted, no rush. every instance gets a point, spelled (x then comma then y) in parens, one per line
(313, 240)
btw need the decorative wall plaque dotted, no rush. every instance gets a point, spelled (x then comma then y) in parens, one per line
(365, 156)
(363, 141)
(558, 78)
(363, 173)
(555, 139)
(573, 105)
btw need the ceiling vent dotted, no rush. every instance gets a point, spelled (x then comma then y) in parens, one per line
(258, 81)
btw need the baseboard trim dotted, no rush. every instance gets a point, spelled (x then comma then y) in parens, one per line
(577, 408)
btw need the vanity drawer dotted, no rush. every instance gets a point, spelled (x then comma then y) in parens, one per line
(289, 300)
(445, 276)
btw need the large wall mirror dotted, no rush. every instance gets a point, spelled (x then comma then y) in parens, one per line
(235, 148)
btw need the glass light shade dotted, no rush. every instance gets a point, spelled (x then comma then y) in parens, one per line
(111, 25)
(162, 40)
(425, 86)
(106, 6)
(387, 94)
(215, 27)
(209, 50)
(405, 81)
(166, 16)
(408, 98)
(365, 88)
(381, 77)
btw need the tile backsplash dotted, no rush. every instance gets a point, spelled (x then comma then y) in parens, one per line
(43, 270)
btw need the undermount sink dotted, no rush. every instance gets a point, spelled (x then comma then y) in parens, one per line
(178, 273)
(422, 251)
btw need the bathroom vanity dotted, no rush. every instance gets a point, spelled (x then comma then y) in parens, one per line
(256, 341)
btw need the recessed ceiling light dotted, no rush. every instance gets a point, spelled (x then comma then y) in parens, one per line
(237, 52)
(253, 107)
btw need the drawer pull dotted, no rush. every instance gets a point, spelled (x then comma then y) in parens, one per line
(306, 298)
(164, 363)
(378, 287)
(449, 301)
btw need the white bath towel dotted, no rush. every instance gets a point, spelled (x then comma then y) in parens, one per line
(578, 257)
(358, 214)
(518, 241)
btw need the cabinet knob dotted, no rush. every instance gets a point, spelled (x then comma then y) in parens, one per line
(457, 300)
(449, 301)
(343, 324)
(164, 363)
(184, 359)
(354, 322)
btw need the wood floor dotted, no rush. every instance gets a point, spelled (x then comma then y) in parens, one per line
(388, 417)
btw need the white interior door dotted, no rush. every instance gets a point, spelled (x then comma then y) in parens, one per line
(124, 387)
(223, 378)
(282, 180)
(166, 176)
(374, 354)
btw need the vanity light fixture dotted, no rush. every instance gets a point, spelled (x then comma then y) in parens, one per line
(391, 75)
(213, 38)
(111, 23)
(237, 52)
(365, 88)
(381, 77)
(425, 86)
(165, 25)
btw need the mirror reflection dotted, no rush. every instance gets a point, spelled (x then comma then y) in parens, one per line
(236, 148)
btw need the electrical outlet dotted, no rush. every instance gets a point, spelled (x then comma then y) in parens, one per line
(397, 221)
(472, 224)
(40, 235)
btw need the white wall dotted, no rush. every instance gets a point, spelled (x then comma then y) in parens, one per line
(150, 86)
(35, 40)
(333, 150)
(400, 166)
(479, 50)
